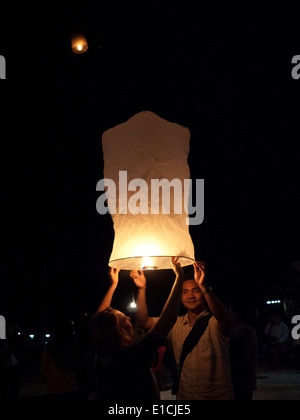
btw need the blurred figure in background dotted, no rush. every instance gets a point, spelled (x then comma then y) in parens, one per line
(59, 360)
(277, 334)
(11, 369)
(243, 351)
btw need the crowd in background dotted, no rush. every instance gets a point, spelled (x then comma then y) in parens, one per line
(66, 361)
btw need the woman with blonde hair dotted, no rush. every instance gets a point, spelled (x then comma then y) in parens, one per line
(122, 365)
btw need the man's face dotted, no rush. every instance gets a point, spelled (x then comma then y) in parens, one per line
(192, 297)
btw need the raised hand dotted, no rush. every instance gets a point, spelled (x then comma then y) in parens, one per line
(200, 274)
(139, 278)
(177, 267)
(114, 276)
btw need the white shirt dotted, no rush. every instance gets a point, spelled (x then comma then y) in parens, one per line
(280, 331)
(206, 373)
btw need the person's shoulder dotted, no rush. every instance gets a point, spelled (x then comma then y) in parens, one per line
(215, 330)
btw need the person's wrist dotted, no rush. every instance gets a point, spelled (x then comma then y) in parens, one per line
(179, 277)
(206, 289)
(203, 286)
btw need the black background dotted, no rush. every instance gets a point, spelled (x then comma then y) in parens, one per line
(222, 70)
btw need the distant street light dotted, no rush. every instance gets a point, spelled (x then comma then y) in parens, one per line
(132, 305)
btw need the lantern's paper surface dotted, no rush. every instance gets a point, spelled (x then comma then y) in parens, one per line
(147, 230)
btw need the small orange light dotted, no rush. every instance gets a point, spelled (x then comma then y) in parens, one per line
(79, 44)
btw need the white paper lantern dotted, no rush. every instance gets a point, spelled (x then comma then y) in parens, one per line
(150, 223)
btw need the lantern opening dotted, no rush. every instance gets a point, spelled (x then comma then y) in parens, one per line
(148, 264)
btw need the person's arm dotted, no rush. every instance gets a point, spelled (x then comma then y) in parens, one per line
(114, 279)
(215, 305)
(170, 311)
(142, 317)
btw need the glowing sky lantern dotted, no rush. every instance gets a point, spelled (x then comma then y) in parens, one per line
(79, 43)
(146, 175)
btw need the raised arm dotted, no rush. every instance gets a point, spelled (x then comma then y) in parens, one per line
(215, 305)
(142, 317)
(114, 279)
(170, 311)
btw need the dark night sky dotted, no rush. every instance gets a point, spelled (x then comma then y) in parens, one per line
(223, 72)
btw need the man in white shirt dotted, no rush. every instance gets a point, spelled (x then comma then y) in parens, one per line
(277, 330)
(278, 334)
(205, 373)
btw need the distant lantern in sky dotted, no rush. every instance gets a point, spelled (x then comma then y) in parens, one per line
(145, 172)
(79, 43)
